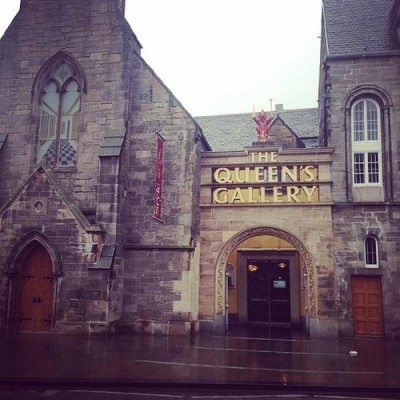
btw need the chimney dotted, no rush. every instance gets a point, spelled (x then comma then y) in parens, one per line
(278, 107)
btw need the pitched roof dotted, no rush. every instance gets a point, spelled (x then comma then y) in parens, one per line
(236, 131)
(358, 26)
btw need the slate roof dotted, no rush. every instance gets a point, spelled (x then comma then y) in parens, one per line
(358, 26)
(112, 143)
(234, 132)
(106, 257)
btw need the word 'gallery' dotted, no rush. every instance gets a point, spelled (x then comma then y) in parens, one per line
(120, 212)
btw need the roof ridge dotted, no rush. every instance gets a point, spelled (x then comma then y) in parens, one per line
(251, 113)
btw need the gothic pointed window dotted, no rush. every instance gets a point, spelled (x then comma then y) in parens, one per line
(60, 105)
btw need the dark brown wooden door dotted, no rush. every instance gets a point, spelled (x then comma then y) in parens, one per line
(367, 305)
(36, 296)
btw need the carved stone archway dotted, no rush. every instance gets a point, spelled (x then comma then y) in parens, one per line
(259, 231)
(23, 247)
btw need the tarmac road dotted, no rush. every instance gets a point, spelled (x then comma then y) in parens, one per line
(182, 394)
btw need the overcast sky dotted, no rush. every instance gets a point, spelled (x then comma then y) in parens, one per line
(226, 56)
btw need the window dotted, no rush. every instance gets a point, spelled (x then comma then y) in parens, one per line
(366, 143)
(371, 252)
(60, 104)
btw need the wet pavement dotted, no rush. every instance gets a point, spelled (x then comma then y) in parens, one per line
(254, 360)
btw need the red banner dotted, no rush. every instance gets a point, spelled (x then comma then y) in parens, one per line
(158, 182)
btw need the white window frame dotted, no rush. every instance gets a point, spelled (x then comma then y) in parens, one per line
(365, 148)
(367, 250)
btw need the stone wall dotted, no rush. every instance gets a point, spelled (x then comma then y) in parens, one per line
(280, 134)
(351, 226)
(366, 211)
(41, 213)
(159, 253)
(373, 76)
(154, 110)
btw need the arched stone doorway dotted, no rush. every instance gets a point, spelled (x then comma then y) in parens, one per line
(33, 270)
(291, 254)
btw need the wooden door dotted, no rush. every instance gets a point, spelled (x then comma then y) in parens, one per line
(36, 292)
(367, 305)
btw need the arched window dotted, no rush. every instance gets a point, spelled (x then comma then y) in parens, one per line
(371, 256)
(60, 104)
(366, 143)
(58, 90)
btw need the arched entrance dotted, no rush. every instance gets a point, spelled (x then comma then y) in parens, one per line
(264, 275)
(35, 298)
(34, 274)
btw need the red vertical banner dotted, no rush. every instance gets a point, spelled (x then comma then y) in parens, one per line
(158, 181)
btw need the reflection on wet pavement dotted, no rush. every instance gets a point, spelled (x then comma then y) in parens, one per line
(250, 356)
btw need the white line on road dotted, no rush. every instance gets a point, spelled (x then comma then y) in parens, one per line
(265, 351)
(307, 371)
(127, 393)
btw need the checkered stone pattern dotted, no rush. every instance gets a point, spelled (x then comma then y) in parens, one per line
(67, 157)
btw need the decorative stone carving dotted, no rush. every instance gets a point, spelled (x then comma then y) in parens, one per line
(263, 122)
(258, 231)
(39, 206)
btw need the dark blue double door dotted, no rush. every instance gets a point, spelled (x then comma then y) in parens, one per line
(268, 291)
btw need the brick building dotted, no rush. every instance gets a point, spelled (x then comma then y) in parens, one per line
(118, 215)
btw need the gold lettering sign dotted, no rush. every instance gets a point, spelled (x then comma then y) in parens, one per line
(272, 182)
(265, 195)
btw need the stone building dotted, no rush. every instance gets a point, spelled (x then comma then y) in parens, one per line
(359, 105)
(266, 225)
(118, 215)
(340, 246)
(99, 218)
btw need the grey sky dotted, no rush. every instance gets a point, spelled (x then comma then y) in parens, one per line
(224, 56)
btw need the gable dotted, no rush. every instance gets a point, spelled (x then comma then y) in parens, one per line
(281, 135)
(41, 200)
(234, 132)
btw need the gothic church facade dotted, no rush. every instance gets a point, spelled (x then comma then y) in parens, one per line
(86, 128)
